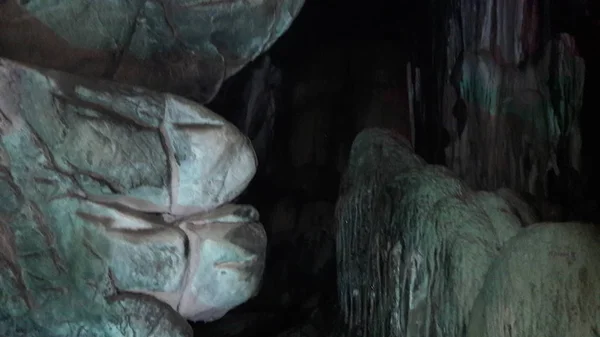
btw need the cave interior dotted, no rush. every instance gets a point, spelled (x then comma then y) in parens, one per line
(335, 58)
(343, 66)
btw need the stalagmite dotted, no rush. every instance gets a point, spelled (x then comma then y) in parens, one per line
(414, 242)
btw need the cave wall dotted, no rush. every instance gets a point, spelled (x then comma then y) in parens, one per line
(420, 253)
(508, 92)
(410, 67)
(324, 99)
(320, 104)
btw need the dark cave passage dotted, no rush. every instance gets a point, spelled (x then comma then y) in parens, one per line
(335, 64)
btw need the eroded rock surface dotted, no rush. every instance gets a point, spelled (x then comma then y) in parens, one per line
(181, 46)
(512, 95)
(421, 254)
(545, 283)
(414, 242)
(109, 190)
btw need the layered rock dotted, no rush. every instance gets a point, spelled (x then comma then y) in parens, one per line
(185, 47)
(109, 190)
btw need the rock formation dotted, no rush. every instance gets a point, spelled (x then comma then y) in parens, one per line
(544, 283)
(421, 254)
(108, 190)
(184, 47)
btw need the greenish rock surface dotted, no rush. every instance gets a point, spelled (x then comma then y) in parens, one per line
(414, 242)
(115, 218)
(180, 46)
(544, 283)
(421, 254)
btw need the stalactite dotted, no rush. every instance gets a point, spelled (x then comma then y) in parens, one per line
(364, 216)
(510, 95)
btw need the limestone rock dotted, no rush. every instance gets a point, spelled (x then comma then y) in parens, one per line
(111, 190)
(414, 242)
(545, 283)
(185, 47)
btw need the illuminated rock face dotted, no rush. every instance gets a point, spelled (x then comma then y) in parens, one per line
(180, 46)
(112, 197)
(421, 254)
(511, 96)
(544, 283)
(414, 242)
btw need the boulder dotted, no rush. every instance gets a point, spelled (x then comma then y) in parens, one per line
(545, 282)
(179, 46)
(414, 242)
(115, 202)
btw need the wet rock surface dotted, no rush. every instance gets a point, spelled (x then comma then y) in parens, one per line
(509, 116)
(420, 253)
